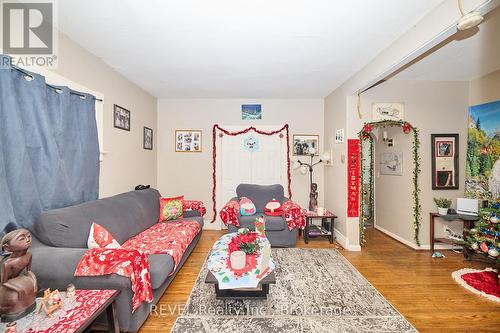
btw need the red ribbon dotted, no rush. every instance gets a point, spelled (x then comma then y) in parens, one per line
(251, 128)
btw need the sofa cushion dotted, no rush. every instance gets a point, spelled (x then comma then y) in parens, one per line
(124, 215)
(160, 266)
(261, 194)
(273, 223)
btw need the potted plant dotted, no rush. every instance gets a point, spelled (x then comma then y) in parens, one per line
(443, 204)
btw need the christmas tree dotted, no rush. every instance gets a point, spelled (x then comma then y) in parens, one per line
(484, 238)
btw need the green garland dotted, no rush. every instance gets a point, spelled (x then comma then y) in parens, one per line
(364, 189)
(364, 134)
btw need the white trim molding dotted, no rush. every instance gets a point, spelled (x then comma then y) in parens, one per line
(344, 242)
(413, 245)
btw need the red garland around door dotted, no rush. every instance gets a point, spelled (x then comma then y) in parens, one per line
(226, 132)
(353, 177)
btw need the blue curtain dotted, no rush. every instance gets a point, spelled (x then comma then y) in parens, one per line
(49, 150)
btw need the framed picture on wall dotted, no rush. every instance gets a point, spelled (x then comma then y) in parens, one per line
(391, 164)
(444, 161)
(121, 118)
(188, 141)
(388, 111)
(148, 138)
(251, 111)
(305, 144)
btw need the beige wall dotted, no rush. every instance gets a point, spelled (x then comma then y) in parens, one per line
(190, 174)
(126, 163)
(335, 176)
(434, 108)
(485, 89)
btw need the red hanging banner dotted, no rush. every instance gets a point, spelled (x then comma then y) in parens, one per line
(353, 177)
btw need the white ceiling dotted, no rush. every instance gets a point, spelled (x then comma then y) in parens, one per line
(238, 48)
(465, 59)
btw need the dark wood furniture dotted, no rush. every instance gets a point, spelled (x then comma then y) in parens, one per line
(112, 318)
(468, 221)
(325, 230)
(243, 293)
(88, 306)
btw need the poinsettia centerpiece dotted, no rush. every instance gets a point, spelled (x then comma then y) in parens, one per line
(246, 242)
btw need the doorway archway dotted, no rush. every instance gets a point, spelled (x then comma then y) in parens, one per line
(366, 137)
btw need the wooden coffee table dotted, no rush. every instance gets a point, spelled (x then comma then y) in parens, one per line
(242, 293)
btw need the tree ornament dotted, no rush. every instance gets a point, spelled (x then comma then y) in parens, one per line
(407, 127)
(493, 252)
(484, 247)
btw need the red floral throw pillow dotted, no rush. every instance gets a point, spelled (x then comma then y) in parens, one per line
(171, 208)
(99, 237)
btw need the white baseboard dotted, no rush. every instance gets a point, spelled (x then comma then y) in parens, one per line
(342, 240)
(398, 238)
(413, 245)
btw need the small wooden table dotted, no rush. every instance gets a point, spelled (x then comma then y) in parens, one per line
(75, 319)
(326, 229)
(260, 292)
(468, 224)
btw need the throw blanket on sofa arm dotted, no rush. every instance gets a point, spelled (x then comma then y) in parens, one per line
(194, 205)
(292, 213)
(229, 213)
(131, 260)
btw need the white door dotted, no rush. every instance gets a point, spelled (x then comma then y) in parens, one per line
(236, 163)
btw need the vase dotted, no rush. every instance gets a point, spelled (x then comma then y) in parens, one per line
(442, 211)
(238, 259)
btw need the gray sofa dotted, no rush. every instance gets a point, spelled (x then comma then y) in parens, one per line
(276, 227)
(60, 239)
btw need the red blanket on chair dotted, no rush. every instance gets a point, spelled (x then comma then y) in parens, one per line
(131, 260)
(292, 213)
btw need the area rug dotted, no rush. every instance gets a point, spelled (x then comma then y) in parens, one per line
(316, 290)
(481, 282)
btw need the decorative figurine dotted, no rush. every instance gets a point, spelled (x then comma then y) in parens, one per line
(18, 283)
(313, 197)
(260, 226)
(50, 302)
(71, 290)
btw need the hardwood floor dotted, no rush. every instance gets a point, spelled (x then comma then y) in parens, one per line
(420, 287)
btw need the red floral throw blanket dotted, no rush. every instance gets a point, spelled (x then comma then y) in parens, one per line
(131, 260)
(229, 213)
(194, 205)
(292, 212)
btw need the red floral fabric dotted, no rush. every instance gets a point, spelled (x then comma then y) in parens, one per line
(89, 302)
(292, 212)
(194, 205)
(229, 213)
(170, 238)
(131, 260)
(294, 215)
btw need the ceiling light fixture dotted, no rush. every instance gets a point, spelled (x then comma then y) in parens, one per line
(469, 20)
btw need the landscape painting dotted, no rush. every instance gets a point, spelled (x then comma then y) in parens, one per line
(483, 152)
(251, 111)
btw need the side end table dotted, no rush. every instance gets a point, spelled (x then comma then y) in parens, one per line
(325, 230)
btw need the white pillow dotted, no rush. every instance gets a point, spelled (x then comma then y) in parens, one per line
(99, 237)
